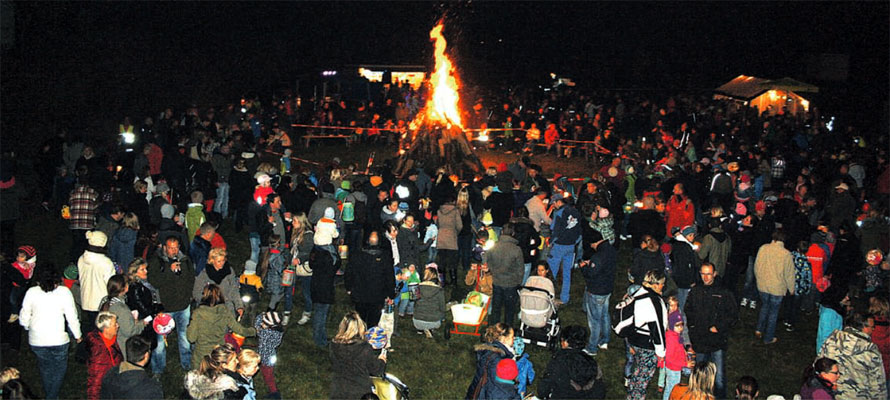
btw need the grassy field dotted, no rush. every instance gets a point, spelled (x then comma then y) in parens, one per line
(435, 368)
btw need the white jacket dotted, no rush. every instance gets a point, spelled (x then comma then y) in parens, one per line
(325, 232)
(94, 270)
(44, 314)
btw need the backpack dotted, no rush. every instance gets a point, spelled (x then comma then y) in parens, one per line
(622, 317)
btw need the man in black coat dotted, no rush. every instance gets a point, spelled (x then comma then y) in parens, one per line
(130, 380)
(571, 374)
(684, 262)
(369, 279)
(711, 312)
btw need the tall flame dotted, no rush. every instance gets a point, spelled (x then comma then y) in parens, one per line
(443, 103)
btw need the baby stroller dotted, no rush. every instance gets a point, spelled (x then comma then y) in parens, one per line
(388, 387)
(539, 323)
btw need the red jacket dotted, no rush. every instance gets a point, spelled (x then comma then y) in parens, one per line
(816, 256)
(101, 359)
(679, 212)
(155, 157)
(675, 352)
(881, 337)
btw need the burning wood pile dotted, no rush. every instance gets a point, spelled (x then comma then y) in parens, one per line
(436, 135)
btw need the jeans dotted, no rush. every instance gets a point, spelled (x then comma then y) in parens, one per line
(222, 199)
(305, 282)
(597, 308)
(718, 358)
(769, 312)
(52, 361)
(527, 270)
(562, 255)
(629, 363)
(319, 320)
(750, 290)
(406, 306)
(159, 355)
(682, 294)
(506, 298)
(672, 378)
(254, 246)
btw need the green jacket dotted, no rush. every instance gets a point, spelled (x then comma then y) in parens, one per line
(208, 328)
(194, 217)
(175, 289)
(431, 305)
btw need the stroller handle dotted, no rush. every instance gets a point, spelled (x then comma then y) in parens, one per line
(535, 289)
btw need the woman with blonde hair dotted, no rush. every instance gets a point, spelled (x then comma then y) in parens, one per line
(302, 241)
(353, 360)
(211, 321)
(498, 346)
(248, 365)
(143, 298)
(465, 235)
(210, 380)
(219, 273)
(647, 336)
(700, 386)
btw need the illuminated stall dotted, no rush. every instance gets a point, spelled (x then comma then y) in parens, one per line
(769, 96)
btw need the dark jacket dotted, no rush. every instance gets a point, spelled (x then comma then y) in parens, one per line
(501, 206)
(130, 381)
(122, 246)
(566, 226)
(715, 248)
(324, 269)
(198, 251)
(410, 247)
(684, 263)
(645, 261)
(571, 374)
(505, 262)
(369, 275)
(430, 307)
(487, 357)
(175, 289)
(527, 237)
(815, 388)
(600, 273)
(709, 306)
(499, 390)
(352, 365)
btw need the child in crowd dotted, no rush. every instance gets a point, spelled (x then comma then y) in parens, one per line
(601, 221)
(194, 216)
(526, 369)
(20, 276)
(269, 333)
(277, 263)
(675, 354)
(248, 363)
(872, 270)
(410, 279)
(431, 235)
(673, 310)
(502, 386)
(251, 286)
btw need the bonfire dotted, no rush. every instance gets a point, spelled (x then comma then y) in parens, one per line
(436, 135)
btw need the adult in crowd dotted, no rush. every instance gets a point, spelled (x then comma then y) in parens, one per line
(199, 249)
(820, 380)
(537, 210)
(528, 239)
(711, 313)
(505, 263)
(129, 379)
(211, 322)
(700, 386)
(94, 269)
(859, 359)
(429, 309)
(46, 309)
(123, 242)
(302, 242)
(369, 279)
(599, 275)
(832, 310)
(498, 346)
(143, 298)
(323, 261)
(716, 247)
(571, 373)
(774, 271)
(450, 224)
(219, 273)
(646, 220)
(353, 360)
(172, 273)
(879, 308)
(565, 234)
(83, 203)
(116, 303)
(684, 262)
(104, 353)
(647, 337)
(679, 210)
(410, 244)
(648, 258)
(210, 380)
(171, 225)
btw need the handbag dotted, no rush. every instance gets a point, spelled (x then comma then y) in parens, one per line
(303, 269)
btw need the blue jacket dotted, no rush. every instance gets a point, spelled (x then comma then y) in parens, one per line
(198, 252)
(829, 321)
(496, 389)
(526, 374)
(122, 244)
(566, 226)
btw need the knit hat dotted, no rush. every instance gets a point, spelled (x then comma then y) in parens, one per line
(674, 318)
(556, 197)
(329, 213)
(97, 238)
(271, 320)
(29, 251)
(250, 267)
(376, 180)
(746, 178)
(688, 230)
(167, 210)
(404, 206)
(162, 187)
(346, 185)
(518, 347)
(263, 178)
(507, 369)
(70, 272)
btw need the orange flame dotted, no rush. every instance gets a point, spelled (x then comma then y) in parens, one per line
(443, 103)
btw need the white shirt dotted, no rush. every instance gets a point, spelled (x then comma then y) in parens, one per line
(395, 249)
(44, 314)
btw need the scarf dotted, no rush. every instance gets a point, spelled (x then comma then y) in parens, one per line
(218, 275)
(155, 296)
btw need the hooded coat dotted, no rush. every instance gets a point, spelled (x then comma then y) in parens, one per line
(487, 357)
(505, 262)
(571, 374)
(450, 224)
(715, 248)
(129, 381)
(208, 328)
(352, 365)
(430, 307)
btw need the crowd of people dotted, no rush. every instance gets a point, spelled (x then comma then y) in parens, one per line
(720, 208)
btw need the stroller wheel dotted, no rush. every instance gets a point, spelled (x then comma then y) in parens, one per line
(446, 333)
(551, 344)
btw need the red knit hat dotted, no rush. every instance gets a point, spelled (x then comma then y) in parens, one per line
(507, 369)
(29, 251)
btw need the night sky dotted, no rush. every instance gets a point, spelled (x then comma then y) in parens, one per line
(77, 63)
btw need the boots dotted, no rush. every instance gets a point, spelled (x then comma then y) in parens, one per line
(453, 275)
